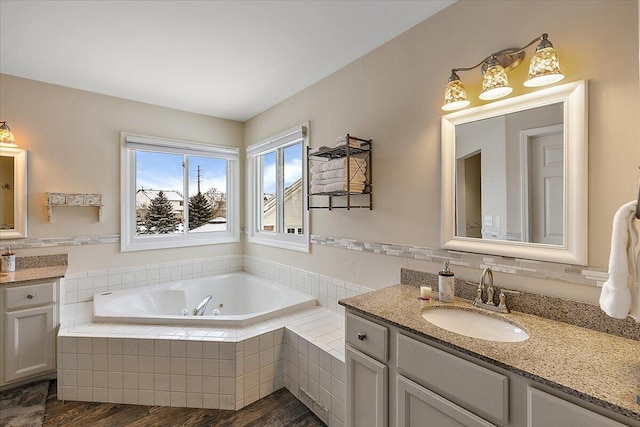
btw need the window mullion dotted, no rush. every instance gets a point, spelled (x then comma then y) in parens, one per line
(185, 194)
(280, 190)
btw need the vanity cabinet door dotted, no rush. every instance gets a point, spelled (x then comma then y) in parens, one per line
(29, 342)
(417, 406)
(367, 388)
(546, 410)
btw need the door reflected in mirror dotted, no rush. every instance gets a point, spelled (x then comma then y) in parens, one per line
(510, 177)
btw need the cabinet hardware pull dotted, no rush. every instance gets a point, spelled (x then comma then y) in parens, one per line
(30, 296)
(361, 336)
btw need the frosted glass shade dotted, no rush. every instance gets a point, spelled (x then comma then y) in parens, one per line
(495, 84)
(6, 136)
(455, 96)
(544, 68)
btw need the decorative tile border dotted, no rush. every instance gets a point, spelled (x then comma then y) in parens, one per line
(522, 267)
(47, 242)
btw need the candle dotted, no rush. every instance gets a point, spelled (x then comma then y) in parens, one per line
(425, 292)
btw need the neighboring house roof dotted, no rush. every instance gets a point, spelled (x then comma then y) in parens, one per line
(172, 196)
(294, 188)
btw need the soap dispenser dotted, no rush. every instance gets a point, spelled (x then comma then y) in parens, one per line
(446, 284)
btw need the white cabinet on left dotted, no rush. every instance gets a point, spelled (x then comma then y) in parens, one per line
(30, 319)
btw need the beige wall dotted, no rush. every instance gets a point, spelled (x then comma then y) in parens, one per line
(394, 94)
(73, 138)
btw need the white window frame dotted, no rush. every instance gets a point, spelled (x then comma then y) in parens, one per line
(129, 240)
(296, 242)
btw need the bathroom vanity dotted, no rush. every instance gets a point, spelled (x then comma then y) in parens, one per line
(404, 371)
(29, 314)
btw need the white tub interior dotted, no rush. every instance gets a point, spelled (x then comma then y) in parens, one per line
(239, 298)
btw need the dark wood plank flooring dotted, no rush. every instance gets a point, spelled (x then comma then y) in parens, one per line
(279, 409)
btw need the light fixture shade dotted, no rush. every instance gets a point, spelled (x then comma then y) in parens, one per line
(455, 96)
(544, 68)
(495, 83)
(6, 136)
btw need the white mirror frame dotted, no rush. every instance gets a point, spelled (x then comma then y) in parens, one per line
(19, 230)
(574, 248)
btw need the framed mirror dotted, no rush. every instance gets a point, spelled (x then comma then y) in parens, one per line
(514, 177)
(13, 193)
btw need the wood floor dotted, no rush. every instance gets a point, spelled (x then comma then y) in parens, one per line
(276, 410)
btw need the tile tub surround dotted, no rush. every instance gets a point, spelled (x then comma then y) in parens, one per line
(222, 368)
(594, 366)
(81, 286)
(576, 313)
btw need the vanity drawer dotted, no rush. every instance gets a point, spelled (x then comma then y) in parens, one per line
(368, 337)
(29, 295)
(480, 390)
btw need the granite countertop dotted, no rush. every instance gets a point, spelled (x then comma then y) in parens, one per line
(23, 276)
(601, 368)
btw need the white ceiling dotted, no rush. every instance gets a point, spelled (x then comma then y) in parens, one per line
(230, 59)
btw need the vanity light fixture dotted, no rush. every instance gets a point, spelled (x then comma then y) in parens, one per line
(6, 136)
(544, 69)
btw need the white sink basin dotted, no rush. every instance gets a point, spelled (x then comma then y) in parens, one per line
(475, 325)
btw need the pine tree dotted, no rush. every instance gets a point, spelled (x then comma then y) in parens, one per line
(160, 218)
(199, 211)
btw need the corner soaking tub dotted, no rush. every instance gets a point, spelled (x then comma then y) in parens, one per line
(238, 299)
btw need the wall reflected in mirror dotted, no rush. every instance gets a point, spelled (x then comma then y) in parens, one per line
(510, 177)
(6, 193)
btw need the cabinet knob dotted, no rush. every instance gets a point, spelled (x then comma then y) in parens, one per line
(362, 336)
(31, 296)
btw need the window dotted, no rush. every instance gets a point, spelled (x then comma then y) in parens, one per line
(278, 190)
(177, 193)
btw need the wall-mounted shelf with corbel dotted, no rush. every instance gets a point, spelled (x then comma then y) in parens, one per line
(74, 200)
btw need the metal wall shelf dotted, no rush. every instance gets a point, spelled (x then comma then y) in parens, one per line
(362, 151)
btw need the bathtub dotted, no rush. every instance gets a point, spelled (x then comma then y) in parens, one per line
(239, 299)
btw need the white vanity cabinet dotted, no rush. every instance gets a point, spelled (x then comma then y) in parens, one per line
(367, 374)
(426, 384)
(29, 321)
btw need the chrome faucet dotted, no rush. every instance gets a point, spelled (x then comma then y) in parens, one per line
(491, 290)
(202, 306)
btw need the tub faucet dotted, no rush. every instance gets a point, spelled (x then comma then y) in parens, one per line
(491, 290)
(202, 306)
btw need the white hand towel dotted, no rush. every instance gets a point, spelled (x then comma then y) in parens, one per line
(615, 298)
(354, 164)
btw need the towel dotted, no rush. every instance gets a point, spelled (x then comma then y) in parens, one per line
(337, 187)
(357, 178)
(338, 173)
(354, 164)
(619, 291)
(342, 140)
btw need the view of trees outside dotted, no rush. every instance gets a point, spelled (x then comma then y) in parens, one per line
(160, 191)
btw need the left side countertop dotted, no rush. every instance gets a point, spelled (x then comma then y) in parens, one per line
(31, 268)
(29, 274)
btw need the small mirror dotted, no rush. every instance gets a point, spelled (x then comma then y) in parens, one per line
(514, 177)
(13, 193)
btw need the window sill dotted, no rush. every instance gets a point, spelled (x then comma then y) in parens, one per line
(300, 244)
